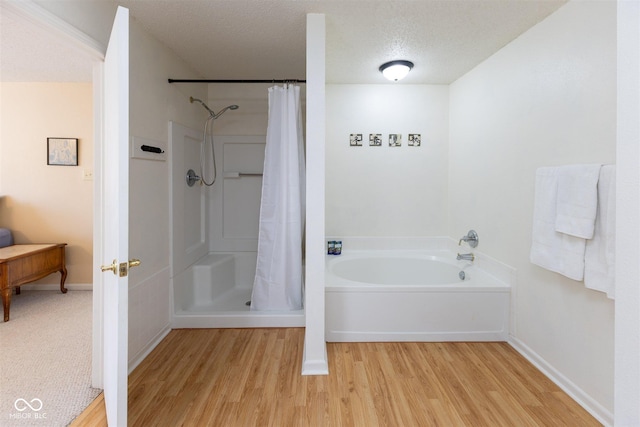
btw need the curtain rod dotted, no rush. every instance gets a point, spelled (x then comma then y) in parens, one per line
(235, 81)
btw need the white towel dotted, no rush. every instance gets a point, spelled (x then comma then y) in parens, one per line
(599, 257)
(550, 249)
(577, 200)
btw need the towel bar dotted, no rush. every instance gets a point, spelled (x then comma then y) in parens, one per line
(239, 174)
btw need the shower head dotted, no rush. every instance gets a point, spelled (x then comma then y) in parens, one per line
(230, 107)
(211, 113)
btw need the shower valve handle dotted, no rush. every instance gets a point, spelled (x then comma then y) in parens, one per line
(192, 177)
(471, 238)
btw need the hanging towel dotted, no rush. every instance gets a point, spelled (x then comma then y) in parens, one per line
(550, 249)
(600, 251)
(577, 200)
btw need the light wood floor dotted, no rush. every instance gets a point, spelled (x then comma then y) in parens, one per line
(251, 377)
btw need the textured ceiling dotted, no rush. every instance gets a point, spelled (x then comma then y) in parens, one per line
(225, 39)
(29, 53)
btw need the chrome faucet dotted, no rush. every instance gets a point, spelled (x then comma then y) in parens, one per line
(466, 257)
(471, 238)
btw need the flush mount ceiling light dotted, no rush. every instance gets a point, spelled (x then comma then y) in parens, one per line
(396, 70)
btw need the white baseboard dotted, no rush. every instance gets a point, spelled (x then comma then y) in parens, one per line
(142, 354)
(56, 286)
(316, 366)
(246, 319)
(598, 411)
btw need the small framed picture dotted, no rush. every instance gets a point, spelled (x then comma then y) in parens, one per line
(62, 151)
(375, 139)
(414, 140)
(355, 140)
(395, 140)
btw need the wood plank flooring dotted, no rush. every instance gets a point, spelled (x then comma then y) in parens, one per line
(251, 377)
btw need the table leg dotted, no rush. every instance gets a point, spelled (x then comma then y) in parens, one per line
(62, 279)
(6, 302)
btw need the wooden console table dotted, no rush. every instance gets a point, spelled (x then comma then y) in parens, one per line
(21, 264)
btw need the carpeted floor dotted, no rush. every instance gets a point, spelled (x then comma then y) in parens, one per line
(45, 359)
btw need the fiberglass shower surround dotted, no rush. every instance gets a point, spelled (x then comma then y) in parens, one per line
(278, 277)
(207, 136)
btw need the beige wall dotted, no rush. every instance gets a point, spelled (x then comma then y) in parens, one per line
(41, 203)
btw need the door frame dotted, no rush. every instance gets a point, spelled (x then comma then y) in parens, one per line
(97, 335)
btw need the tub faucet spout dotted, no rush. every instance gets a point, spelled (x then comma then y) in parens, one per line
(466, 257)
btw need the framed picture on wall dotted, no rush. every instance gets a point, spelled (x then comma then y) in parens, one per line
(62, 151)
(414, 139)
(375, 139)
(395, 140)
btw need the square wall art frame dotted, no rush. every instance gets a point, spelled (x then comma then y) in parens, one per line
(62, 151)
(375, 139)
(355, 140)
(395, 139)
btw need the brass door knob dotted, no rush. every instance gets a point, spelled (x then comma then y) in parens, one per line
(113, 267)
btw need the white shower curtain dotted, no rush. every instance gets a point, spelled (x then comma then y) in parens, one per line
(278, 281)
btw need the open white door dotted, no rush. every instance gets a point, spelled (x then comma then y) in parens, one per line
(115, 219)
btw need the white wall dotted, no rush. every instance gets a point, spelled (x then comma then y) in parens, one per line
(153, 103)
(386, 191)
(93, 18)
(315, 350)
(250, 119)
(548, 98)
(627, 343)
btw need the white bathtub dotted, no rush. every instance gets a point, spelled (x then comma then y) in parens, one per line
(413, 295)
